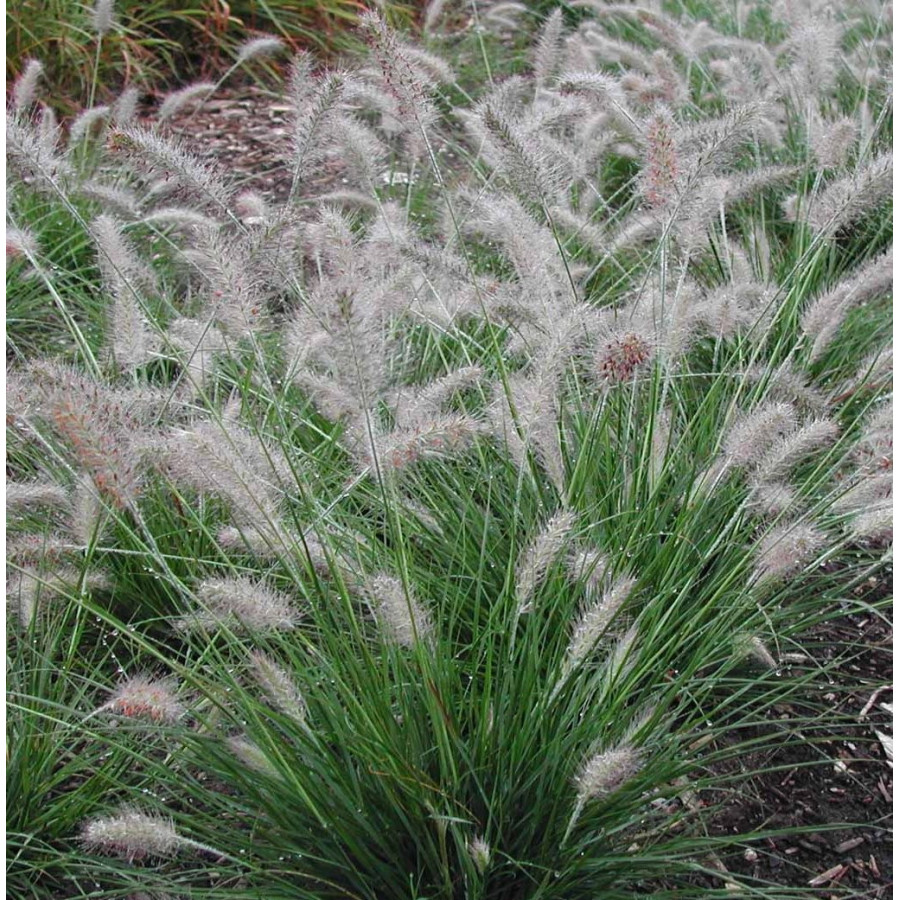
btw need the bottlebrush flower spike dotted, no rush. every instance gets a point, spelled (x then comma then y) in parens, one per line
(144, 697)
(240, 602)
(135, 836)
(539, 555)
(659, 178)
(785, 549)
(131, 835)
(398, 612)
(278, 685)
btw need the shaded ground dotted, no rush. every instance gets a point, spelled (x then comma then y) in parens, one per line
(841, 777)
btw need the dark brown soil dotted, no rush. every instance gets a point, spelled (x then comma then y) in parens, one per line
(840, 776)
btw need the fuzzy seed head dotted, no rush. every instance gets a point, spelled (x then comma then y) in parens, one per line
(480, 851)
(241, 602)
(258, 48)
(143, 697)
(252, 756)
(620, 357)
(102, 16)
(25, 87)
(785, 549)
(539, 556)
(604, 773)
(131, 835)
(751, 437)
(398, 612)
(595, 619)
(660, 176)
(278, 686)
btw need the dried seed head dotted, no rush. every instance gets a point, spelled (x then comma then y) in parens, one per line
(131, 835)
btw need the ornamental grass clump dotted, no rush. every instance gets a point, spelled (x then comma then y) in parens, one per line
(472, 487)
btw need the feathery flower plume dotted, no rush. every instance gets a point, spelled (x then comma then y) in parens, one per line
(480, 852)
(398, 611)
(771, 500)
(166, 156)
(20, 243)
(824, 316)
(239, 601)
(278, 686)
(29, 585)
(753, 646)
(604, 773)
(25, 87)
(252, 756)
(87, 515)
(105, 455)
(403, 81)
(437, 437)
(591, 567)
(875, 449)
(433, 11)
(102, 18)
(778, 461)
(848, 199)
(143, 697)
(531, 166)
(548, 49)
(118, 202)
(753, 434)
(186, 96)
(131, 835)
(875, 524)
(231, 462)
(537, 558)
(257, 48)
(196, 345)
(785, 549)
(124, 110)
(33, 153)
(22, 495)
(415, 406)
(135, 836)
(88, 124)
(594, 619)
(126, 278)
